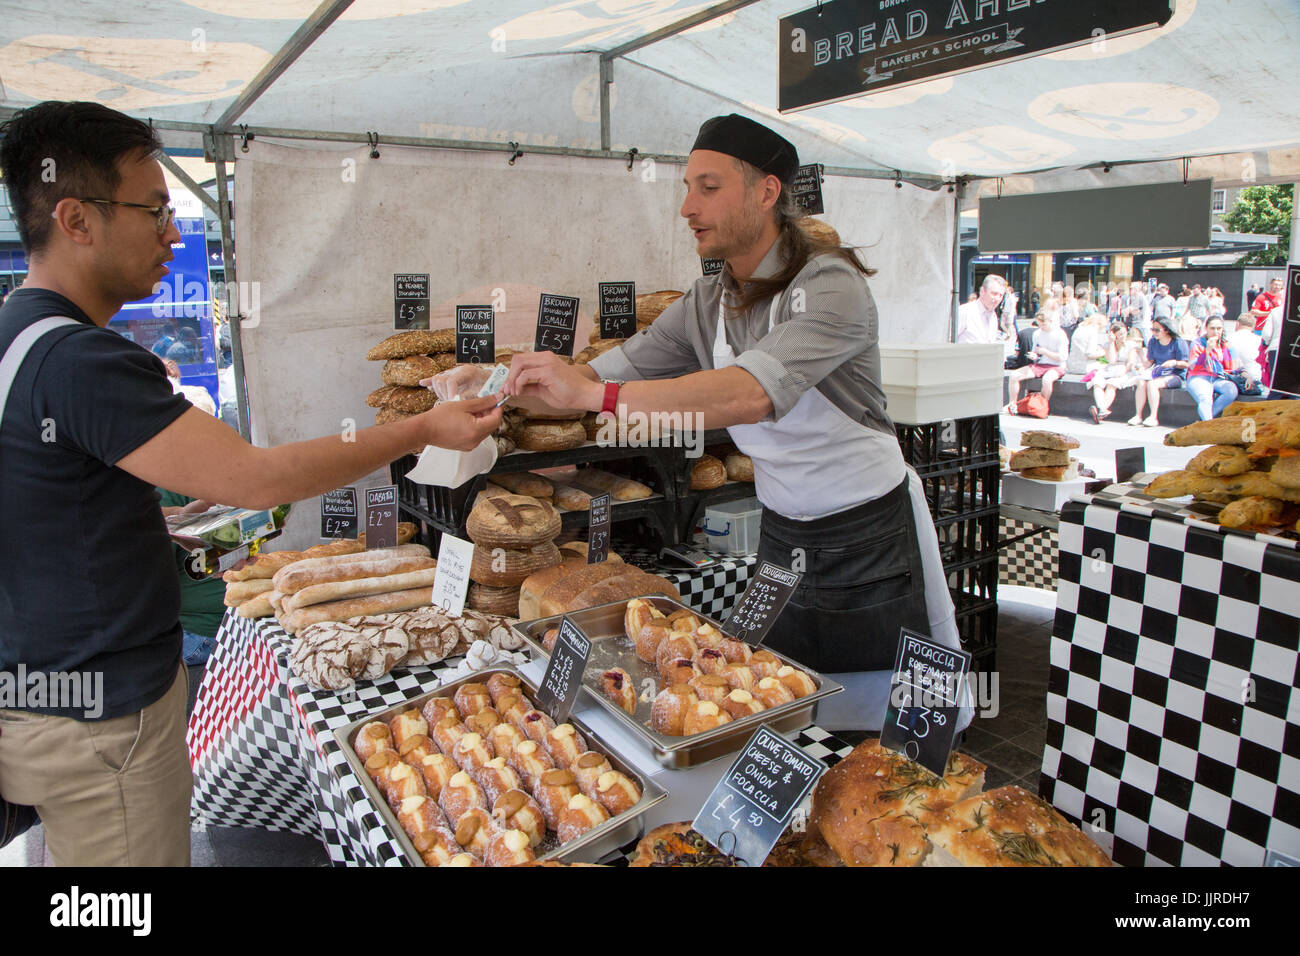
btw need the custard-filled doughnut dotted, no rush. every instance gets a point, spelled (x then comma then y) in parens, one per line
(800, 684)
(637, 615)
(706, 635)
(437, 769)
(736, 652)
(464, 859)
(772, 693)
(705, 715)
(565, 745)
(741, 703)
(459, 795)
(501, 684)
(530, 760)
(404, 781)
(554, 791)
(516, 810)
(684, 620)
(447, 731)
(712, 687)
(673, 647)
(678, 671)
(475, 830)
(587, 770)
(536, 725)
(471, 752)
(649, 638)
(416, 749)
(418, 815)
(371, 739)
(764, 664)
(617, 685)
(483, 722)
(581, 815)
(436, 847)
(668, 712)
(616, 792)
(505, 738)
(380, 767)
(513, 707)
(496, 778)
(509, 848)
(471, 698)
(406, 725)
(709, 660)
(738, 676)
(435, 708)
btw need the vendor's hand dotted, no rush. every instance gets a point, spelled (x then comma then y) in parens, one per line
(461, 426)
(197, 507)
(542, 375)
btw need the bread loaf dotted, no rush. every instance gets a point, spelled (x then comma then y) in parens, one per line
(597, 348)
(379, 397)
(295, 621)
(409, 370)
(535, 585)
(579, 549)
(348, 567)
(358, 587)
(557, 599)
(1038, 458)
(739, 467)
(259, 606)
(651, 305)
(1057, 441)
(413, 342)
(332, 549)
(1008, 826)
(404, 399)
(493, 600)
(386, 416)
(551, 436)
(508, 567)
(264, 566)
(708, 473)
(525, 483)
(241, 591)
(597, 482)
(512, 521)
(620, 587)
(570, 498)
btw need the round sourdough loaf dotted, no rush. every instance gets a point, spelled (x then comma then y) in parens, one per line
(512, 521)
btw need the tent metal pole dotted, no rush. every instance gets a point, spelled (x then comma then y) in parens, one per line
(606, 80)
(296, 46)
(681, 26)
(199, 192)
(233, 312)
(956, 256)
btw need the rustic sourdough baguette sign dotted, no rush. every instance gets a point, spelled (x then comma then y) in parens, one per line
(557, 324)
(563, 679)
(617, 310)
(764, 599)
(475, 334)
(338, 514)
(924, 701)
(756, 798)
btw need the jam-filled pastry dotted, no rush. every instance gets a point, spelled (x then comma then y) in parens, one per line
(514, 707)
(437, 769)
(706, 635)
(587, 770)
(435, 708)
(483, 722)
(581, 815)
(464, 859)
(800, 684)
(668, 712)
(738, 676)
(673, 647)
(380, 767)
(406, 725)
(536, 725)
(741, 703)
(436, 847)
(649, 638)
(404, 781)
(712, 687)
(772, 693)
(418, 815)
(471, 752)
(678, 671)
(616, 792)
(505, 738)
(705, 715)
(447, 732)
(554, 791)
(617, 685)
(516, 810)
(500, 684)
(471, 698)
(416, 749)
(459, 795)
(638, 614)
(550, 637)
(530, 760)
(372, 738)
(565, 745)
(709, 660)
(496, 777)
(736, 652)
(509, 848)
(764, 664)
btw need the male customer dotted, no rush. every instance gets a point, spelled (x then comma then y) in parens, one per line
(90, 428)
(977, 321)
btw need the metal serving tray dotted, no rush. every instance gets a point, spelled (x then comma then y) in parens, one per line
(597, 842)
(610, 647)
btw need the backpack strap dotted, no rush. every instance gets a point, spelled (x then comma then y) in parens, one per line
(14, 356)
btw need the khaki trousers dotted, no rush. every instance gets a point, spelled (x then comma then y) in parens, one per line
(110, 793)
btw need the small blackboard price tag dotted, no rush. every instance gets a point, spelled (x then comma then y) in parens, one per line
(764, 599)
(338, 514)
(806, 190)
(924, 698)
(557, 324)
(1286, 368)
(711, 267)
(563, 677)
(475, 334)
(617, 310)
(411, 301)
(754, 801)
(598, 530)
(381, 517)
(1129, 462)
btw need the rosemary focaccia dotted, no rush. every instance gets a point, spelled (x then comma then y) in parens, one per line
(1008, 827)
(1235, 430)
(1175, 484)
(869, 807)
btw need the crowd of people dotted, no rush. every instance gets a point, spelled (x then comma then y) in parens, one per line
(1122, 336)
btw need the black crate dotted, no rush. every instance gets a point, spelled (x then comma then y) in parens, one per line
(955, 445)
(974, 590)
(968, 539)
(964, 493)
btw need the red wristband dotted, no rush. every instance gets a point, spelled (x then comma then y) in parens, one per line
(610, 404)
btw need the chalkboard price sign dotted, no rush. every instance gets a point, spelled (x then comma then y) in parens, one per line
(806, 190)
(338, 514)
(475, 334)
(381, 517)
(411, 301)
(924, 701)
(617, 310)
(557, 324)
(563, 678)
(761, 604)
(598, 530)
(1286, 370)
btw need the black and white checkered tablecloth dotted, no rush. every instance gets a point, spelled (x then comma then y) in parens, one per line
(1173, 708)
(1029, 562)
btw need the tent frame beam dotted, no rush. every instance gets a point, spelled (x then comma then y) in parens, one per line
(188, 182)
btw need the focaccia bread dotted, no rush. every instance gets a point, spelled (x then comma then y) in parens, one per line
(708, 472)
(508, 567)
(409, 370)
(1271, 409)
(1285, 472)
(869, 807)
(551, 436)
(1008, 827)
(1221, 460)
(1235, 430)
(1038, 458)
(1058, 441)
(413, 342)
(512, 521)
(1253, 512)
(348, 567)
(1175, 484)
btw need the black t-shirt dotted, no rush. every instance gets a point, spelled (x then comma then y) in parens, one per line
(89, 584)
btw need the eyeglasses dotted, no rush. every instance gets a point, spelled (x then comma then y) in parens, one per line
(164, 214)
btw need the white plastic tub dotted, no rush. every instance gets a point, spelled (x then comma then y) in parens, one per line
(732, 527)
(939, 364)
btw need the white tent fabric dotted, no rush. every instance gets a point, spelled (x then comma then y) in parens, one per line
(1219, 77)
(322, 231)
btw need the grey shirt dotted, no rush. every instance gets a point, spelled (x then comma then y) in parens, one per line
(825, 336)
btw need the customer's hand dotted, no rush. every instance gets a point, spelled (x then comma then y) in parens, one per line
(461, 426)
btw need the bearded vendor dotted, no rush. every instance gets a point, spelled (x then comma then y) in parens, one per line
(781, 348)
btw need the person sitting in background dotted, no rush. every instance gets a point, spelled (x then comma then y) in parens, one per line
(1088, 346)
(1064, 294)
(1047, 358)
(1166, 361)
(1247, 347)
(1121, 369)
(1024, 345)
(1207, 373)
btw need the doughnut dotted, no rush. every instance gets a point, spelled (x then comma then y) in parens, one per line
(371, 739)
(764, 664)
(471, 752)
(673, 647)
(447, 732)
(800, 684)
(616, 792)
(581, 815)
(404, 781)
(418, 815)
(617, 685)
(639, 613)
(678, 671)
(475, 830)
(509, 848)
(530, 760)
(668, 712)
(496, 778)
(516, 810)
(381, 765)
(406, 725)
(684, 620)
(737, 652)
(738, 676)
(565, 745)
(464, 859)
(587, 770)
(435, 708)
(649, 638)
(536, 725)
(501, 684)
(437, 769)
(471, 698)
(513, 707)
(705, 715)
(772, 693)
(709, 660)
(505, 738)
(459, 795)
(483, 722)
(712, 687)
(436, 847)
(706, 635)
(741, 703)
(550, 637)
(416, 749)
(554, 791)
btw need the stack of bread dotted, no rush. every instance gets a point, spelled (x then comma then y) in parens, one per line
(569, 489)
(573, 584)
(649, 307)
(1252, 466)
(1046, 456)
(408, 358)
(514, 537)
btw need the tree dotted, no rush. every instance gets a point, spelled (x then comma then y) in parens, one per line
(1263, 210)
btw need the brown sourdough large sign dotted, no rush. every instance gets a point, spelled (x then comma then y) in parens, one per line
(852, 47)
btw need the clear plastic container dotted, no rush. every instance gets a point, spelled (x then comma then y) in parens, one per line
(732, 528)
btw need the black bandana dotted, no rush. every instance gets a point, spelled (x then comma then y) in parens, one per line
(757, 145)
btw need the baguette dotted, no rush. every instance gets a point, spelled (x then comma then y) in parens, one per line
(598, 482)
(570, 498)
(295, 621)
(263, 566)
(525, 483)
(241, 591)
(259, 606)
(341, 546)
(359, 587)
(347, 567)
